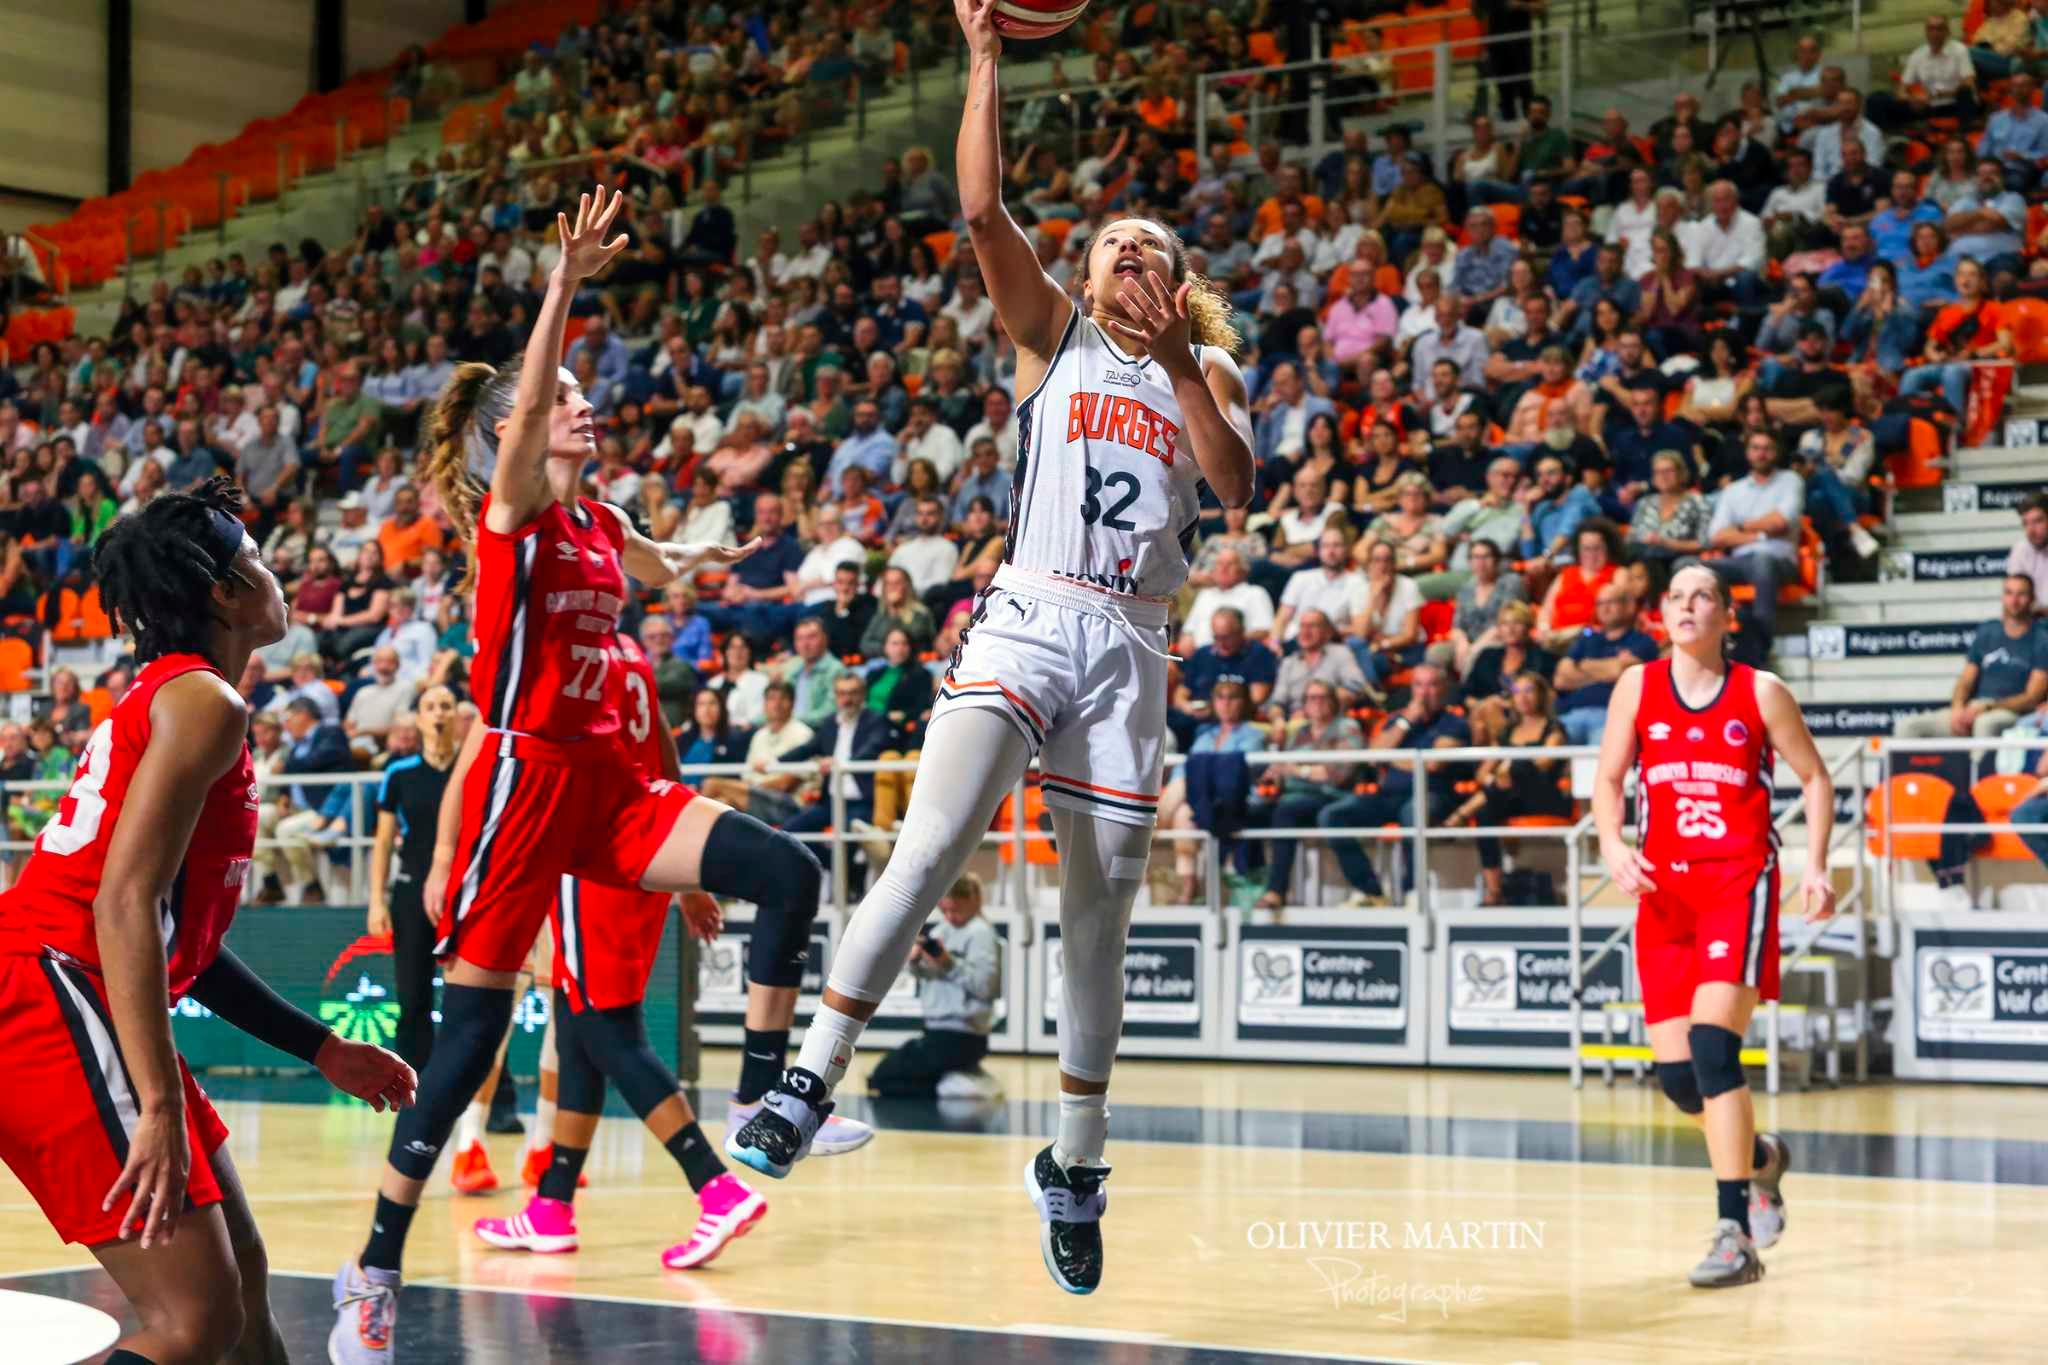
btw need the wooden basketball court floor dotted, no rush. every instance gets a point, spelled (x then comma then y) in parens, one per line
(1257, 1213)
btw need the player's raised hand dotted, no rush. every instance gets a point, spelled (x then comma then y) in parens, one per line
(978, 21)
(368, 1072)
(1629, 868)
(584, 249)
(701, 915)
(1159, 317)
(1817, 894)
(685, 559)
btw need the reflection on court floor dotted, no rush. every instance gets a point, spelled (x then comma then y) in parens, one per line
(1257, 1213)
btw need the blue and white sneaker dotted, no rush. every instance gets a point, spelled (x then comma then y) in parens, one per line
(836, 1136)
(1070, 1203)
(365, 1316)
(783, 1129)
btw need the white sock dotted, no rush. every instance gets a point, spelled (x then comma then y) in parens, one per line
(472, 1127)
(1084, 1130)
(543, 1131)
(828, 1044)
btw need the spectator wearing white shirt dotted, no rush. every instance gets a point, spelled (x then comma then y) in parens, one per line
(1756, 525)
(925, 437)
(1725, 250)
(1330, 586)
(1825, 141)
(1798, 82)
(971, 311)
(1234, 590)
(810, 262)
(927, 555)
(152, 451)
(1634, 220)
(1938, 78)
(1796, 210)
(1295, 230)
(995, 425)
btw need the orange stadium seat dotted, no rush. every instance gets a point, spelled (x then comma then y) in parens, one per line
(1996, 796)
(1916, 799)
(16, 658)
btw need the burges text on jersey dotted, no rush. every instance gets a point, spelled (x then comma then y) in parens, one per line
(1126, 421)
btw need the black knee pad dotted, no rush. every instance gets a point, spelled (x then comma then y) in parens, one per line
(615, 1042)
(1716, 1059)
(1681, 1086)
(473, 1020)
(747, 860)
(579, 1085)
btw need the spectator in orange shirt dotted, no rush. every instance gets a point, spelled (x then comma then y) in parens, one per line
(405, 534)
(1287, 186)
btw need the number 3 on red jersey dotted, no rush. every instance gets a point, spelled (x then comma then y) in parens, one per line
(78, 817)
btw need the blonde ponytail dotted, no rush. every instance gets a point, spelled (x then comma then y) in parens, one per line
(1209, 315)
(463, 426)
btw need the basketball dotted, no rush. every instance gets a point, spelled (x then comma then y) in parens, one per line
(1036, 18)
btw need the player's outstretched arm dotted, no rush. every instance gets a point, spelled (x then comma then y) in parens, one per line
(519, 487)
(1786, 725)
(655, 562)
(1034, 310)
(244, 999)
(1625, 862)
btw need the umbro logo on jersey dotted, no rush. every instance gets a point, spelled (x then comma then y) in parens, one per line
(565, 550)
(1681, 868)
(1125, 378)
(1717, 950)
(1659, 731)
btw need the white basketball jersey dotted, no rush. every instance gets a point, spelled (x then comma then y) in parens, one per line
(1106, 489)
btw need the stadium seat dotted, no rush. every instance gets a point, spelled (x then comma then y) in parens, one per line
(1916, 799)
(16, 658)
(98, 699)
(1038, 849)
(1996, 796)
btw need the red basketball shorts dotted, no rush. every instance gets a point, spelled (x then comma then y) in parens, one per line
(1707, 921)
(71, 1106)
(605, 941)
(534, 811)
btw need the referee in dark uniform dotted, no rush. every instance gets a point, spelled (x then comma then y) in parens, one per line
(408, 817)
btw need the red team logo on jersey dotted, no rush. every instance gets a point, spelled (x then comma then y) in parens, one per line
(1126, 421)
(1736, 733)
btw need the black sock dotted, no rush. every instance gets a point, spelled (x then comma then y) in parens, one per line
(695, 1154)
(128, 1358)
(388, 1227)
(763, 1055)
(1760, 1155)
(1734, 1200)
(558, 1181)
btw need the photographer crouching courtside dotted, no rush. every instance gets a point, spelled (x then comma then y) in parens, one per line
(958, 966)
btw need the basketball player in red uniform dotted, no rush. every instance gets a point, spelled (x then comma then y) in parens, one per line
(119, 913)
(605, 943)
(544, 787)
(1700, 730)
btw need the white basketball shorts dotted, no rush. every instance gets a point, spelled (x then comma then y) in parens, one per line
(1082, 674)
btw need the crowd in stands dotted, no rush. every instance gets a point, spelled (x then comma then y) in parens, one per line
(1495, 402)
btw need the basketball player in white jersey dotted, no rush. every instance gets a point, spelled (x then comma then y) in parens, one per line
(1129, 402)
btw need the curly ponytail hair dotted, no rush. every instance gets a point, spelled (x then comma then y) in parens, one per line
(1208, 308)
(156, 569)
(460, 444)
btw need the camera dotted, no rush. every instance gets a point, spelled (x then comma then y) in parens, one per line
(929, 941)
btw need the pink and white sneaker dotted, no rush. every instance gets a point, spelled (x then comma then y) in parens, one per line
(544, 1225)
(730, 1210)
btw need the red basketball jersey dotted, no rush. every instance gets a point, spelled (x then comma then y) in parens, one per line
(50, 908)
(547, 605)
(639, 710)
(1703, 776)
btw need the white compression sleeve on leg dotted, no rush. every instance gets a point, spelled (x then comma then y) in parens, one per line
(828, 1045)
(1102, 865)
(972, 760)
